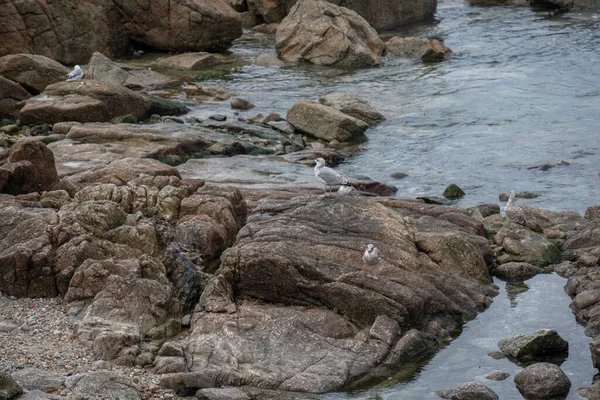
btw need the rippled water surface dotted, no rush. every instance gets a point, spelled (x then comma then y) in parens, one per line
(515, 311)
(523, 90)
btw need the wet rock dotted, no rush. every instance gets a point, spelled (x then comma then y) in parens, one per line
(515, 271)
(592, 213)
(542, 381)
(221, 394)
(398, 175)
(103, 69)
(9, 389)
(33, 72)
(536, 346)
(28, 166)
(189, 61)
(37, 379)
(241, 104)
(523, 245)
(322, 33)
(83, 101)
(110, 384)
(415, 47)
(324, 122)
(595, 350)
(469, 391)
(210, 25)
(592, 392)
(203, 92)
(11, 93)
(497, 376)
(453, 192)
(354, 106)
(268, 60)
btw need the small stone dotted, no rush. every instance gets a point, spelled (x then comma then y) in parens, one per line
(497, 355)
(398, 175)
(240, 104)
(453, 192)
(497, 375)
(218, 117)
(469, 391)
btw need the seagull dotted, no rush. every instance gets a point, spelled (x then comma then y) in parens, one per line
(76, 74)
(513, 211)
(138, 53)
(328, 176)
(371, 255)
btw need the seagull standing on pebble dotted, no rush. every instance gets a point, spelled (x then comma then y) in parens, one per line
(328, 176)
(76, 74)
(513, 211)
(371, 255)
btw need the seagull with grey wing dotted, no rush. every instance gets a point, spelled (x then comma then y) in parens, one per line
(371, 255)
(76, 74)
(328, 176)
(513, 211)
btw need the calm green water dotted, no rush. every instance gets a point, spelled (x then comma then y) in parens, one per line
(523, 90)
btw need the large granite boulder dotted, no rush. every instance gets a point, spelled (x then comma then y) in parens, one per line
(292, 306)
(61, 29)
(321, 33)
(543, 381)
(83, 101)
(181, 25)
(33, 72)
(380, 14)
(28, 166)
(324, 122)
(10, 94)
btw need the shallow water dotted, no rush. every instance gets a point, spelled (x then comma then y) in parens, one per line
(522, 91)
(466, 359)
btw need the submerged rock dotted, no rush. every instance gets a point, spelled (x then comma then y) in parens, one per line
(543, 381)
(322, 33)
(469, 391)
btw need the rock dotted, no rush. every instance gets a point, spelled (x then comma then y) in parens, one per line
(595, 350)
(523, 245)
(592, 392)
(324, 122)
(269, 29)
(453, 192)
(11, 93)
(8, 387)
(161, 106)
(33, 72)
(268, 60)
(555, 4)
(486, 209)
(240, 104)
(28, 166)
(497, 376)
(189, 61)
(37, 379)
(221, 394)
(61, 30)
(270, 261)
(592, 213)
(37, 395)
(542, 381)
(209, 25)
(83, 101)
(536, 346)
(516, 272)
(469, 391)
(110, 384)
(398, 175)
(103, 69)
(353, 106)
(321, 33)
(416, 47)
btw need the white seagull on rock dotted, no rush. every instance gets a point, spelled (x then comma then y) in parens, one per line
(513, 211)
(328, 176)
(76, 74)
(371, 255)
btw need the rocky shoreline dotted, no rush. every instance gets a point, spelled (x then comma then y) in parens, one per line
(145, 253)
